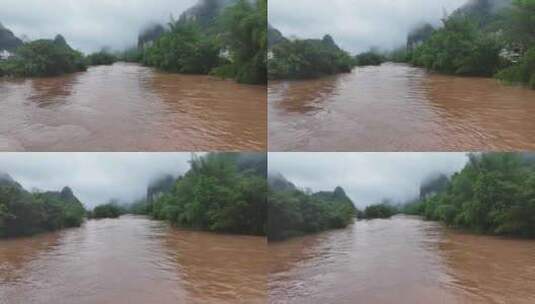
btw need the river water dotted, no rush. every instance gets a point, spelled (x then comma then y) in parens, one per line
(132, 260)
(403, 260)
(396, 107)
(127, 107)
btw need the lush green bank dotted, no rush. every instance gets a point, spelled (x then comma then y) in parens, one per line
(479, 40)
(43, 58)
(231, 43)
(493, 194)
(222, 192)
(293, 212)
(23, 213)
(309, 58)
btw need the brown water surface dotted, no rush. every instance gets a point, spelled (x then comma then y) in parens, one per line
(127, 107)
(403, 260)
(396, 107)
(132, 260)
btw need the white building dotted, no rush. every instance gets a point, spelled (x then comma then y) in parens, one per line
(4, 54)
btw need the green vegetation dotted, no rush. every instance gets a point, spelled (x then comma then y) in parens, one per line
(184, 49)
(103, 57)
(109, 210)
(232, 46)
(23, 213)
(245, 39)
(369, 58)
(43, 58)
(380, 211)
(477, 41)
(293, 212)
(460, 48)
(222, 192)
(493, 194)
(301, 59)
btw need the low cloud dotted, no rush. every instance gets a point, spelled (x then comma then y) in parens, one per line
(357, 25)
(366, 177)
(94, 177)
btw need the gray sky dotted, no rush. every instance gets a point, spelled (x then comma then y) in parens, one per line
(94, 177)
(88, 25)
(357, 25)
(367, 178)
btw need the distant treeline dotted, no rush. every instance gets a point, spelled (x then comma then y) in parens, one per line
(23, 213)
(493, 194)
(309, 58)
(228, 42)
(293, 212)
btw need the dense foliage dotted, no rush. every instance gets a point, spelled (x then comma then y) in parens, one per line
(233, 45)
(103, 57)
(459, 47)
(301, 59)
(293, 212)
(183, 49)
(222, 192)
(245, 38)
(494, 193)
(379, 211)
(24, 213)
(43, 58)
(482, 39)
(369, 58)
(109, 210)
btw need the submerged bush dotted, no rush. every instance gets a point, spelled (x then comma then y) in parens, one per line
(101, 58)
(369, 58)
(110, 210)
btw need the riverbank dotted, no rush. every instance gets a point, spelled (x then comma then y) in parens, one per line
(408, 260)
(133, 260)
(169, 112)
(396, 107)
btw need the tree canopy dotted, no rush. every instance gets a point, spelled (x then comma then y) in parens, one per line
(494, 194)
(293, 212)
(24, 213)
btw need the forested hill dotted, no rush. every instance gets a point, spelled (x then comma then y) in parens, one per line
(222, 192)
(274, 36)
(494, 194)
(305, 58)
(205, 12)
(8, 41)
(483, 38)
(25, 213)
(293, 212)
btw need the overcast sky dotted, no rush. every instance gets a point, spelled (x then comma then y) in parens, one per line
(357, 25)
(94, 177)
(367, 178)
(88, 25)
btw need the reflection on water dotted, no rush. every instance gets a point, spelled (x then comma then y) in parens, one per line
(132, 260)
(127, 107)
(400, 108)
(403, 260)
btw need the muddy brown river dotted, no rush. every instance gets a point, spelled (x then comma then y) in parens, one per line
(127, 107)
(132, 260)
(396, 107)
(403, 260)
